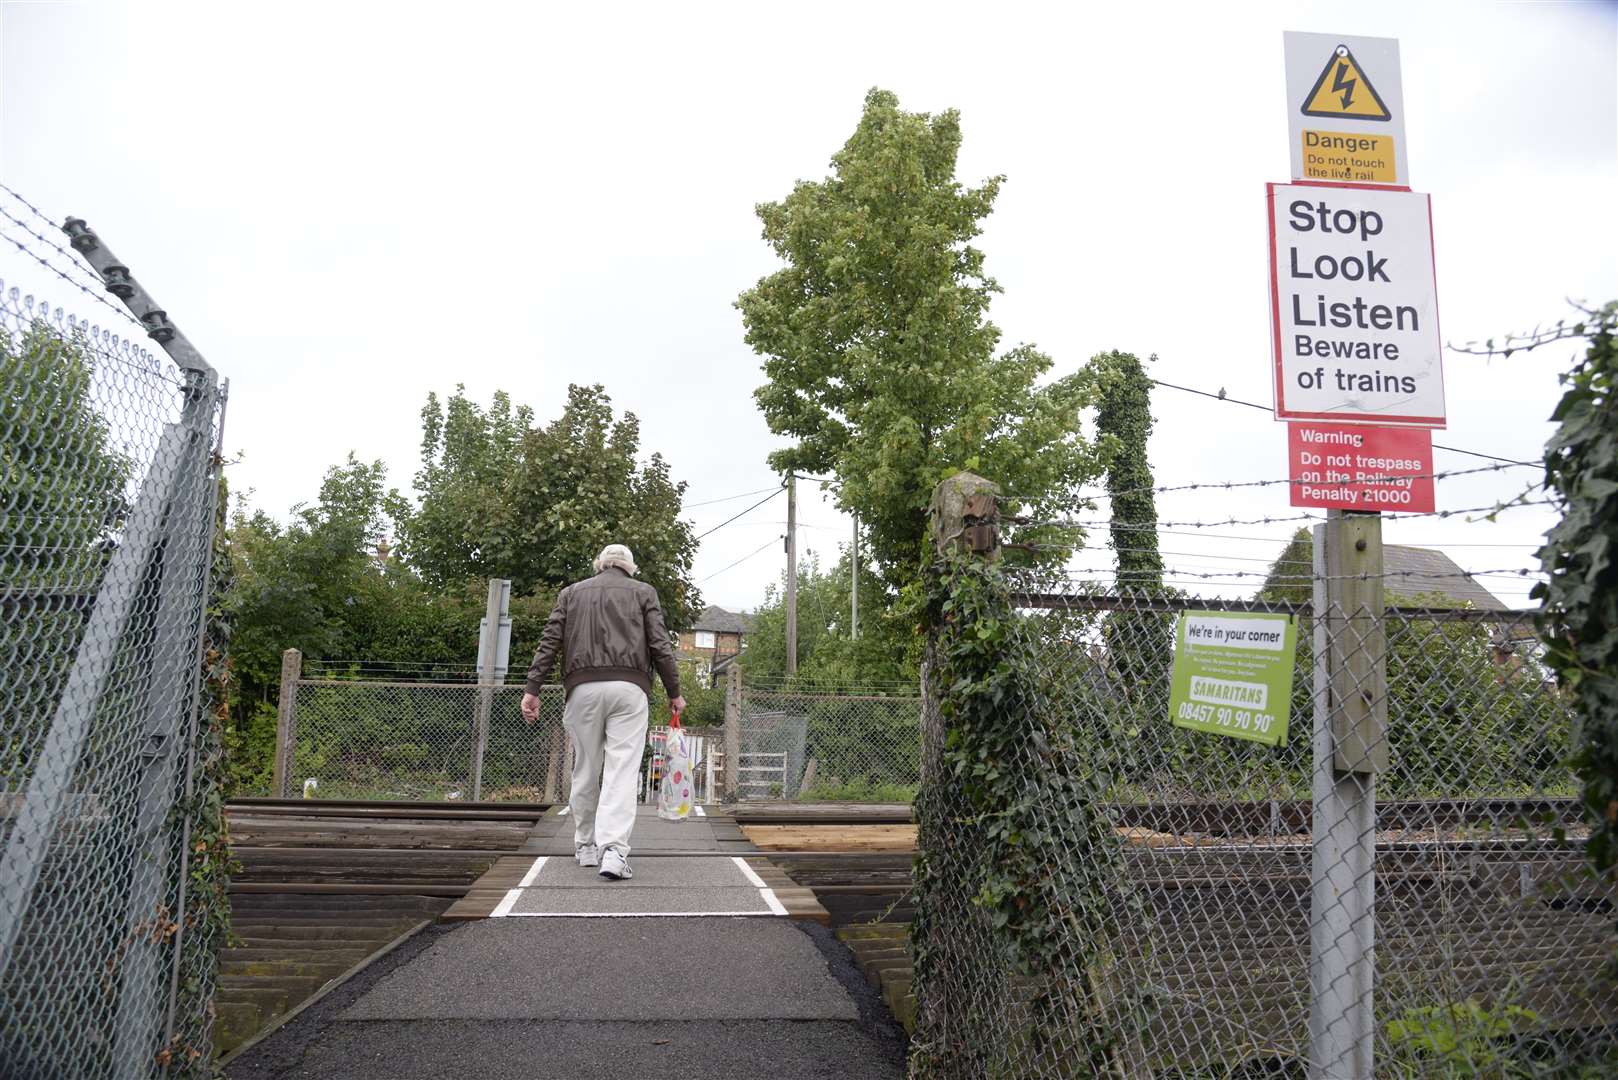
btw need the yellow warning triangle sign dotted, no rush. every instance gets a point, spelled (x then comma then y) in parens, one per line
(1343, 90)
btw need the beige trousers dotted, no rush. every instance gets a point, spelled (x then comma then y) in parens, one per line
(607, 721)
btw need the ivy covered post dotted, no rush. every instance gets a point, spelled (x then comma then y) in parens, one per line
(951, 983)
(1018, 877)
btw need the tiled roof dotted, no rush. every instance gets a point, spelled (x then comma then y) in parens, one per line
(1415, 572)
(720, 621)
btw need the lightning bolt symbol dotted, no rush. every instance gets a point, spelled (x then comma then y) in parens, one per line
(1345, 85)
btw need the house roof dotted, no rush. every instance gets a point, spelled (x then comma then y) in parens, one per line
(1414, 571)
(720, 621)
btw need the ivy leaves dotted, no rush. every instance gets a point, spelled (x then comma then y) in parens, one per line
(1579, 621)
(1016, 821)
(882, 363)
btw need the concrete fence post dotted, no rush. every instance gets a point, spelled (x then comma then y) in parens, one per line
(733, 733)
(286, 724)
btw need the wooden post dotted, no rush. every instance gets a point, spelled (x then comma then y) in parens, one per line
(286, 724)
(962, 514)
(1350, 748)
(733, 733)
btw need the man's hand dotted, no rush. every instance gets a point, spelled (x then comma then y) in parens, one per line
(677, 704)
(530, 707)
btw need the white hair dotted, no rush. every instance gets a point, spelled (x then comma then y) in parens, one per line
(615, 555)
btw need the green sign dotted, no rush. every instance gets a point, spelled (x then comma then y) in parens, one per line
(1233, 674)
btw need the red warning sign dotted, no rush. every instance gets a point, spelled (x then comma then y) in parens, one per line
(1360, 467)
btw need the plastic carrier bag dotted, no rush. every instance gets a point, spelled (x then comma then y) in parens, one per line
(674, 792)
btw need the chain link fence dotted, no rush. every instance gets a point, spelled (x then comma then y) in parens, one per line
(107, 513)
(1102, 892)
(355, 737)
(829, 746)
(422, 742)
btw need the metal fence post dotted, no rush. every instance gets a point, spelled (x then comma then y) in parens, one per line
(171, 715)
(286, 723)
(733, 733)
(1350, 747)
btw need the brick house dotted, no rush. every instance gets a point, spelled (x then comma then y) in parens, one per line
(715, 640)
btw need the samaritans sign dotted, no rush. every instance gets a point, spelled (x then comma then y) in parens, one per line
(1233, 674)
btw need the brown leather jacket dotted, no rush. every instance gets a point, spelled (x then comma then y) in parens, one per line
(606, 628)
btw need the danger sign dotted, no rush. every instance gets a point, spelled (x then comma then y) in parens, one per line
(1360, 467)
(1345, 109)
(1344, 91)
(1354, 305)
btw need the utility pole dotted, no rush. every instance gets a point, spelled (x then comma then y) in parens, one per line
(792, 574)
(854, 584)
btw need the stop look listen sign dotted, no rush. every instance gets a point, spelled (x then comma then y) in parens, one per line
(1354, 305)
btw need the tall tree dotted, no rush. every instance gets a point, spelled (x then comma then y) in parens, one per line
(1140, 643)
(881, 360)
(304, 584)
(503, 498)
(467, 459)
(887, 649)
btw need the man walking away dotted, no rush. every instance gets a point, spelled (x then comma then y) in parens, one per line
(609, 633)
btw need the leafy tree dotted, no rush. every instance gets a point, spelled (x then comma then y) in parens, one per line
(881, 360)
(1140, 644)
(63, 496)
(467, 458)
(579, 487)
(501, 498)
(887, 650)
(311, 584)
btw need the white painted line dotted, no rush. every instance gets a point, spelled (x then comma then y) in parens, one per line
(533, 872)
(647, 914)
(563, 811)
(765, 893)
(503, 908)
(741, 864)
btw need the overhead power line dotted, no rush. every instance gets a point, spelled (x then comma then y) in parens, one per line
(727, 498)
(733, 517)
(741, 560)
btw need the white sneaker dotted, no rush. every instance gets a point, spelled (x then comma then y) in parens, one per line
(588, 855)
(614, 866)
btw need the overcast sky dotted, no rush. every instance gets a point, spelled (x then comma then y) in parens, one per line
(349, 205)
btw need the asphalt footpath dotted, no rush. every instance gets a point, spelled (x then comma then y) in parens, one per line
(602, 978)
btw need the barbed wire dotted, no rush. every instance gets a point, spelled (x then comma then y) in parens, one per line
(1229, 485)
(1533, 339)
(1092, 523)
(92, 285)
(1177, 572)
(1222, 396)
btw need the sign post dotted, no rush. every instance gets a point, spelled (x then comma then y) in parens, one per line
(1358, 373)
